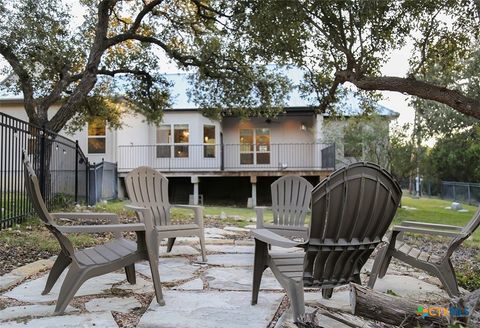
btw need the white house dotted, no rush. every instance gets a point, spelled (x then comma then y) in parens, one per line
(209, 160)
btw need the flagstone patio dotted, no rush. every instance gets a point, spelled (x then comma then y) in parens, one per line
(216, 294)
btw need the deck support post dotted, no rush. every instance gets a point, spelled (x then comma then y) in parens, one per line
(253, 181)
(195, 180)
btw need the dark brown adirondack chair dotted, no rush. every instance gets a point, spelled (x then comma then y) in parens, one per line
(439, 266)
(291, 197)
(148, 192)
(351, 211)
(99, 260)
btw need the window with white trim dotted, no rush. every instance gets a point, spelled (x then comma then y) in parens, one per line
(177, 146)
(97, 136)
(209, 141)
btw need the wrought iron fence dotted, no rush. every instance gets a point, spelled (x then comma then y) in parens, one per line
(228, 157)
(59, 162)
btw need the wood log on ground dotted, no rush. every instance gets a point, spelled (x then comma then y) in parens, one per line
(393, 310)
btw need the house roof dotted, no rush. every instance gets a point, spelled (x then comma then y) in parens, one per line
(296, 101)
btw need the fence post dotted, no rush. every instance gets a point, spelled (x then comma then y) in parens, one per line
(468, 191)
(87, 183)
(76, 171)
(42, 162)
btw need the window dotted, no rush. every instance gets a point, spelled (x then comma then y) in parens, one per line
(180, 138)
(97, 129)
(164, 139)
(209, 141)
(176, 146)
(255, 146)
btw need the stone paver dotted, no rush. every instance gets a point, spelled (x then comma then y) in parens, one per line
(211, 310)
(230, 249)
(142, 286)
(30, 291)
(19, 274)
(195, 284)
(230, 260)
(410, 287)
(239, 279)
(119, 304)
(171, 269)
(104, 320)
(38, 310)
(178, 250)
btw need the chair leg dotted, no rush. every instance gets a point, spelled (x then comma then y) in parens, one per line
(74, 279)
(379, 259)
(296, 296)
(202, 247)
(61, 263)
(259, 265)
(170, 243)
(446, 274)
(130, 272)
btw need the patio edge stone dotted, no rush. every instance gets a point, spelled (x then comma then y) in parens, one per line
(19, 274)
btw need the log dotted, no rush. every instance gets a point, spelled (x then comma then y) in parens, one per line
(392, 310)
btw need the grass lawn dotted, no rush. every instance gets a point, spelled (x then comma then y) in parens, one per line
(433, 211)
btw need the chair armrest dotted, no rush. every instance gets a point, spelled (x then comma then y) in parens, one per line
(272, 238)
(102, 228)
(430, 225)
(259, 211)
(136, 208)
(426, 231)
(197, 209)
(112, 217)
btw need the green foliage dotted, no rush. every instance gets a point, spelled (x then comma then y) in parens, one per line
(468, 277)
(456, 157)
(400, 153)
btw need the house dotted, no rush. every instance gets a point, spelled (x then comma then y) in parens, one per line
(215, 161)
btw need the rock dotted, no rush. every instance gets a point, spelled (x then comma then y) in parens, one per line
(195, 284)
(230, 259)
(410, 287)
(456, 206)
(231, 249)
(21, 273)
(239, 279)
(118, 304)
(236, 229)
(178, 250)
(30, 291)
(211, 310)
(104, 320)
(16, 312)
(142, 286)
(171, 269)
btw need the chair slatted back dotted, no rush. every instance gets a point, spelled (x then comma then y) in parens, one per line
(351, 211)
(147, 187)
(467, 231)
(291, 197)
(33, 191)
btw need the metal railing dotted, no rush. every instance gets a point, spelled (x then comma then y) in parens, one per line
(228, 157)
(59, 163)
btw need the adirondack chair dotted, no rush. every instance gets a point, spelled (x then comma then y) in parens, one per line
(99, 260)
(439, 266)
(291, 197)
(148, 191)
(351, 211)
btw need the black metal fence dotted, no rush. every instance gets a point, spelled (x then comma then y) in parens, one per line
(60, 164)
(464, 192)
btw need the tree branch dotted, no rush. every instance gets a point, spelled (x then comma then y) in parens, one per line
(24, 78)
(424, 90)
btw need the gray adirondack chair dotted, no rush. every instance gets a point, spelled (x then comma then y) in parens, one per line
(91, 262)
(148, 191)
(439, 266)
(291, 197)
(351, 211)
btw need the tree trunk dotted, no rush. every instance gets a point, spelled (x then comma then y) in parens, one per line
(393, 310)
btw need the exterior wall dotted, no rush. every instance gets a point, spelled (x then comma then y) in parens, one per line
(17, 110)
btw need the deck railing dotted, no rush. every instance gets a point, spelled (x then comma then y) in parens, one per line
(228, 157)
